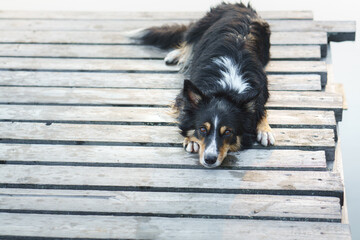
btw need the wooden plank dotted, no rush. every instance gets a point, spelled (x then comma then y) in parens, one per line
(112, 227)
(157, 97)
(337, 30)
(87, 155)
(338, 167)
(142, 115)
(83, 15)
(14, 63)
(135, 65)
(116, 37)
(320, 183)
(304, 99)
(279, 82)
(309, 82)
(244, 206)
(339, 89)
(299, 38)
(341, 30)
(295, 67)
(129, 52)
(288, 38)
(295, 52)
(164, 135)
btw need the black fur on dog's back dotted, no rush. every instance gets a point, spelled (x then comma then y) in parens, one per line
(171, 36)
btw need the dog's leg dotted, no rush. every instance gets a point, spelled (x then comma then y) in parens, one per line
(173, 57)
(190, 146)
(181, 56)
(264, 134)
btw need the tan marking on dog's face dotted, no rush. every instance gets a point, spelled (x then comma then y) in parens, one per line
(223, 129)
(236, 146)
(207, 125)
(223, 152)
(226, 147)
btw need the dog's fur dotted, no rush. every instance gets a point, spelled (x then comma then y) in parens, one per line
(221, 108)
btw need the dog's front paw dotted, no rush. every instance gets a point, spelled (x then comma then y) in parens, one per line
(266, 138)
(190, 146)
(264, 133)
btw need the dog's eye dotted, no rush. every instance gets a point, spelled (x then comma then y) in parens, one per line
(203, 130)
(227, 132)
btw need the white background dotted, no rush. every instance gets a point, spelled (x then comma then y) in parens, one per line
(345, 60)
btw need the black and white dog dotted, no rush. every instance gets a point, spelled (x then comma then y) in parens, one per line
(221, 108)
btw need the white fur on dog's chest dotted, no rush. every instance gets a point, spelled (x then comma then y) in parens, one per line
(231, 77)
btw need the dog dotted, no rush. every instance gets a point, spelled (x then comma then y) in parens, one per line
(221, 107)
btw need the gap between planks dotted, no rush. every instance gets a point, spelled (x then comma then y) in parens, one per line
(194, 205)
(164, 136)
(144, 66)
(285, 137)
(148, 116)
(156, 97)
(135, 156)
(309, 183)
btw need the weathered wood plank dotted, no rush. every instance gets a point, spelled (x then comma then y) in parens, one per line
(14, 63)
(129, 52)
(295, 52)
(280, 82)
(300, 38)
(85, 64)
(313, 38)
(158, 97)
(109, 227)
(158, 157)
(304, 98)
(245, 206)
(116, 37)
(116, 115)
(144, 66)
(145, 134)
(320, 183)
(68, 15)
(336, 29)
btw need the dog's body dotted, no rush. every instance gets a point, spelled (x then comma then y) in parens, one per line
(221, 108)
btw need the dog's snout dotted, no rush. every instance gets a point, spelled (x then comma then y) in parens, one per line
(210, 160)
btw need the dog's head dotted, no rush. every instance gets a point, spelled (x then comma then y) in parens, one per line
(216, 123)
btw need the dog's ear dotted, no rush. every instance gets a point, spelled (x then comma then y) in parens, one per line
(249, 97)
(246, 100)
(192, 94)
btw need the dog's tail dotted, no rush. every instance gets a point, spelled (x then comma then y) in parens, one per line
(166, 36)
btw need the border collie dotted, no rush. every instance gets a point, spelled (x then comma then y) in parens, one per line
(221, 108)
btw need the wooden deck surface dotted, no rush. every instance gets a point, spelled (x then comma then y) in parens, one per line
(89, 150)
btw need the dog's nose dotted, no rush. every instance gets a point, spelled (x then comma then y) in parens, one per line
(210, 160)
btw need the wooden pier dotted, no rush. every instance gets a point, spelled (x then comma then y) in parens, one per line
(89, 151)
